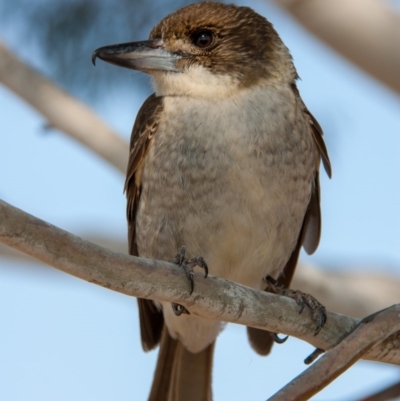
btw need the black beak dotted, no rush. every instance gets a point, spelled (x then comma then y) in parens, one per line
(143, 56)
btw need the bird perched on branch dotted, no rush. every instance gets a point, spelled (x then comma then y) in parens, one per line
(224, 159)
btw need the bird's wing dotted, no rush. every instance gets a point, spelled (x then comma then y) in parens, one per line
(317, 134)
(144, 129)
(312, 219)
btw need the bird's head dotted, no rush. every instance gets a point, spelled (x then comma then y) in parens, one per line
(208, 49)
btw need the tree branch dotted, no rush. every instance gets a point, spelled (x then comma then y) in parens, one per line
(366, 32)
(370, 331)
(357, 294)
(62, 110)
(213, 297)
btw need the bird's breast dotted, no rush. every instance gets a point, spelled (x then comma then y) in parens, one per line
(230, 180)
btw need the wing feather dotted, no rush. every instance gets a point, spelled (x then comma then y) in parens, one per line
(144, 129)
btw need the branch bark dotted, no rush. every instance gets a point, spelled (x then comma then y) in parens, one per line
(62, 110)
(353, 293)
(213, 297)
(366, 32)
(370, 331)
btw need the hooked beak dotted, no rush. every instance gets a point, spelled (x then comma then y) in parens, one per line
(143, 56)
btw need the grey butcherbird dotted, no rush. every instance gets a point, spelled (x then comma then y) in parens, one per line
(224, 158)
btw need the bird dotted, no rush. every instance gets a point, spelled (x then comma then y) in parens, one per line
(224, 159)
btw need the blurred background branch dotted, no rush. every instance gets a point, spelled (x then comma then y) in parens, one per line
(366, 32)
(65, 33)
(61, 110)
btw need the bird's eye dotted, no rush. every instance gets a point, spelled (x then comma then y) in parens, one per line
(203, 39)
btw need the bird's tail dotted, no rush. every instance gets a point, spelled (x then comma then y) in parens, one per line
(181, 375)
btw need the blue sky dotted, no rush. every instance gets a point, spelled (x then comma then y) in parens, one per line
(65, 339)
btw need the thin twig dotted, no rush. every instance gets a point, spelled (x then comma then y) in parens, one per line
(371, 331)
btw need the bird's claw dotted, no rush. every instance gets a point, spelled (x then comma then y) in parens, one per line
(199, 261)
(188, 265)
(318, 310)
(275, 337)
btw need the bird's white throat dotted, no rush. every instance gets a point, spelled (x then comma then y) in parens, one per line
(194, 81)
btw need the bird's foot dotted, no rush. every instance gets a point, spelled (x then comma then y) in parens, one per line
(318, 310)
(188, 265)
